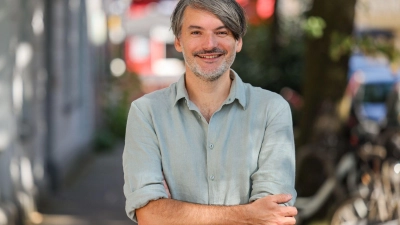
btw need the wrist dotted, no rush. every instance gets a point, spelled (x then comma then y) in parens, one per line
(244, 214)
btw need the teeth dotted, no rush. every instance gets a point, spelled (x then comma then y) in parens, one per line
(209, 57)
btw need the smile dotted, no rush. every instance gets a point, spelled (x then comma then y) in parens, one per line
(209, 56)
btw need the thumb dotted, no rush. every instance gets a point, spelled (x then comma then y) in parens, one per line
(281, 198)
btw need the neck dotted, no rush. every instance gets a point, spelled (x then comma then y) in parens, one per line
(208, 96)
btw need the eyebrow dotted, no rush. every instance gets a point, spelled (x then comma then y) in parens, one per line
(221, 27)
(192, 27)
(195, 27)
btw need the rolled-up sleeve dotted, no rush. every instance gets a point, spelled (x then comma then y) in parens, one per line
(141, 163)
(276, 162)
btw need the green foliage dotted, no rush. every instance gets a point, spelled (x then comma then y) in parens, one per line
(116, 103)
(116, 118)
(373, 46)
(250, 62)
(104, 140)
(340, 45)
(344, 44)
(314, 27)
(269, 66)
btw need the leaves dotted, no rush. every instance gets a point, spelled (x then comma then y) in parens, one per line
(314, 27)
(344, 44)
(261, 66)
(340, 45)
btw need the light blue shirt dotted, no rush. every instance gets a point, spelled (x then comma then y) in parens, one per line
(244, 153)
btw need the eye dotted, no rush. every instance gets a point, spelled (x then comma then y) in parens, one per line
(222, 33)
(195, 32)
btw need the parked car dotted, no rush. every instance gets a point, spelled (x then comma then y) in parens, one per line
(373, 81)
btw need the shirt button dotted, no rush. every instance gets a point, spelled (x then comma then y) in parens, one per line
(212, 177)
(211, 146)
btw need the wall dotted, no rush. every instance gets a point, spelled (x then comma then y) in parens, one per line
(50, 79)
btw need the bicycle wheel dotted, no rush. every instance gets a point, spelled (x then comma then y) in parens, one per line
(313, 167)
(351, 212)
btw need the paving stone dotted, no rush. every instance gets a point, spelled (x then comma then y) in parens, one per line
(95, 196)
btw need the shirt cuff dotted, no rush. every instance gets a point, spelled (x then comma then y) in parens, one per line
(142, 197)
(260, 191)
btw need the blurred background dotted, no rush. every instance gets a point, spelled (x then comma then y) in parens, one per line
(70, 68)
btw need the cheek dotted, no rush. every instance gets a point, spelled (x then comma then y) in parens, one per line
(228, 45)
(231, 48)
(193, 45)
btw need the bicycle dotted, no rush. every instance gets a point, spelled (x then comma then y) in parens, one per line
(377, 198)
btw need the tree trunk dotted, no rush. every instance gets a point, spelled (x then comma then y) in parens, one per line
(324, 79)
(275, 32)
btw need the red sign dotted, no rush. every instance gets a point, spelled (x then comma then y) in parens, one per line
(258, 10)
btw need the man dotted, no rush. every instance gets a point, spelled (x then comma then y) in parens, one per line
(224, 148)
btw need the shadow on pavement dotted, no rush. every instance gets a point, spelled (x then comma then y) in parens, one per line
(95, 196)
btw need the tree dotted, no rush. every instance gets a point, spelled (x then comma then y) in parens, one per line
(271, 57)
(325, 79)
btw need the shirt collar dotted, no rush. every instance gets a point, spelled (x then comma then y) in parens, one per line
(181, 91)
(237, 90)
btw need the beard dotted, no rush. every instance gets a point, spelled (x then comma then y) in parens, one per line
(209, 75)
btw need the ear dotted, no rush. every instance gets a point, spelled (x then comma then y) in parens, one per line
(239, 44)
(177, 44)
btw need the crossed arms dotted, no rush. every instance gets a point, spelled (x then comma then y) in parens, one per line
(262, 211)
(264, 206)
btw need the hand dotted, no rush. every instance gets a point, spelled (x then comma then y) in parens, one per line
(268, 211)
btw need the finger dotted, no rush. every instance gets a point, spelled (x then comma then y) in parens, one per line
(281, 198)
(289, 221)
(288, 211)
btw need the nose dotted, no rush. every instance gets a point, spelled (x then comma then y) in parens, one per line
(210, 41)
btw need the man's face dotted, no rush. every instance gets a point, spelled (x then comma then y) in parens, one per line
(208, 47)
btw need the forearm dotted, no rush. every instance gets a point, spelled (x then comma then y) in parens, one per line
(169, 211)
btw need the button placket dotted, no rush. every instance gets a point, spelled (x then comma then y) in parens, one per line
(210, 148)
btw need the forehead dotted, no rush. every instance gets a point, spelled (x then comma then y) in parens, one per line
(201, 18)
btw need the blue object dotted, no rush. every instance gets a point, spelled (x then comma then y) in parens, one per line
(374, 111)
(375, 70)
(378, 80)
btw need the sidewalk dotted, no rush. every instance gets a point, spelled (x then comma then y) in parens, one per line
(94, 197)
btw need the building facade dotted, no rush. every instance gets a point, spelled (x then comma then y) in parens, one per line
(50, 74)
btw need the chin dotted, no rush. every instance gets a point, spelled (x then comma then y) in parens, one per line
(209, 77)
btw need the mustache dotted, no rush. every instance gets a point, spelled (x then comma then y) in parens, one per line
(214, 50)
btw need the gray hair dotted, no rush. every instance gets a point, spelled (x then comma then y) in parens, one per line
(229, 12)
